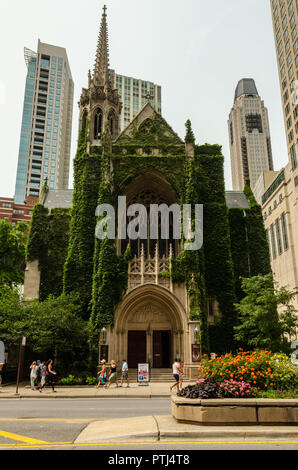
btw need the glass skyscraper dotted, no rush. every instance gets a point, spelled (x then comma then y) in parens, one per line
(132, 93)
(44, 151)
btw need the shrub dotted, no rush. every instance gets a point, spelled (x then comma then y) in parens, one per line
(261, 369)
(205, 389)
(91, 380)
(234, 389)
(71, 380)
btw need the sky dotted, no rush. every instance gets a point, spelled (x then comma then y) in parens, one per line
(197, 50)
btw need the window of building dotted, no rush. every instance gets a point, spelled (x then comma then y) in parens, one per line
(273, 243)
(284, 231)
(282, 11)
(290, 8)
(293, 157)
(289, 122)
(283, 71)
(291, 136)
(284, 22)
(291, 71)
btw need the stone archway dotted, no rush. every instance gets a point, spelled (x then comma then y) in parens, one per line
(150, 325)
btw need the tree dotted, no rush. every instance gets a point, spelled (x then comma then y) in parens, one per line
(260, 325)
(12, 252)
(56, 327)
(14, 322)
(189, 137)
(52, 327)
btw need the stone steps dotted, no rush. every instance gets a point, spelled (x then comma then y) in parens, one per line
(156, 375)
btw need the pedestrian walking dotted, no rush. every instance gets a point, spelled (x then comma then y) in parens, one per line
(180, 372)
(43, 369)
(51, 375)
(33, 374)
(124, 373)
(38, 375)
(112, 378)
(176, 375)
(102, 374)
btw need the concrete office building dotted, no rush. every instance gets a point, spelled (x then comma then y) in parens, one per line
(285, 26)
(132, 93)
(45, 142)
(280, 212)
(249, 135)
(280, 197)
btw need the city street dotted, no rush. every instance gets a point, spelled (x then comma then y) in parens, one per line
(48, 424)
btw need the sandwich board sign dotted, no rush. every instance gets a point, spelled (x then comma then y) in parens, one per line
(2, 353)
(143, 374)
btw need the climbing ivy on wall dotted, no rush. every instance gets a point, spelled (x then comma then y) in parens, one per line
(51, 275)
(250, 250)
(110, 272)
(48, 240)
(37, 244)
(78, 269)
(93, 268)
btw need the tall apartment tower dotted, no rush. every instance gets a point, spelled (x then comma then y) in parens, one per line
(285, 25)
(45, 142)
(249, 134)
(132, 93)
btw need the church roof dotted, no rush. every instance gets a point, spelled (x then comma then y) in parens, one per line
(236, 199)
(55, 198)
(148, 127)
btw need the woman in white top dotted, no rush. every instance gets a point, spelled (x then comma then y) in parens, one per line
(33, 374)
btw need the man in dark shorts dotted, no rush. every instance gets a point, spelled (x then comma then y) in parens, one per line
(176, 375)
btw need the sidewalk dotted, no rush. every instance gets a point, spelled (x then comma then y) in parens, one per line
(166, 428)
(133, 391)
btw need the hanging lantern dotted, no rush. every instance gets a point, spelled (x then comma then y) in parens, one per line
(196, 335)
(103, 335)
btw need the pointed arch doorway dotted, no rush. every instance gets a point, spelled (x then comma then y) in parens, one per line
(149, 327)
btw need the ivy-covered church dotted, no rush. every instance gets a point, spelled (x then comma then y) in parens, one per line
(145, 300)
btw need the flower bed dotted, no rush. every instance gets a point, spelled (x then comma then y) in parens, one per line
(260, 369)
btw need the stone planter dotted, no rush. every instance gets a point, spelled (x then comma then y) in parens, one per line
(230, 411)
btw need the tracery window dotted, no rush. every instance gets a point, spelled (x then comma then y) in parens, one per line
(97, 124)
(146, 197)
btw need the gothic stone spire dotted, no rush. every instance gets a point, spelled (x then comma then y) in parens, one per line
(101, 66)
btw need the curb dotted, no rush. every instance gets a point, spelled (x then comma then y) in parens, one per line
(165, 428)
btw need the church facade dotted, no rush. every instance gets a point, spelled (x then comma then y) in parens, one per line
(146, 300)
